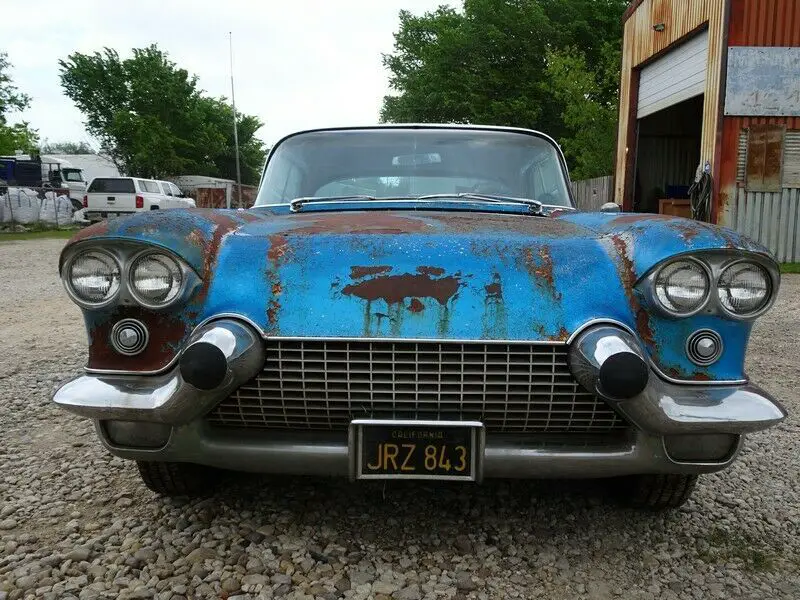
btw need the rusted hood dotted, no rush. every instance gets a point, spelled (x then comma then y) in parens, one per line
(407, 274)
(431, 274)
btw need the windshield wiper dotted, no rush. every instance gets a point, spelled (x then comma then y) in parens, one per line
(297, 204)
(535, 206)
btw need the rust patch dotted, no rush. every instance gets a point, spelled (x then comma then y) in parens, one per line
(629, 218)
(628, 277)
(278, 247)
(416, 306)
(278, 250)
(358, 222)
(98, 229)
(396, 288)
(542, 269)
(700, 376)
(167, 333)
(361, 272)
(224, 225)
(494, 291)
(561, 336)
(687, 231)
(433, 271)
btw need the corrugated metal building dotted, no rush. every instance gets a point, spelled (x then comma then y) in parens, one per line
(714, 84)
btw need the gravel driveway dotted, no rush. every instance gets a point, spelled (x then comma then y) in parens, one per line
(77, 523)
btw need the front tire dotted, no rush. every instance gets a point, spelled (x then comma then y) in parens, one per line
(658, 492)
(177, 479)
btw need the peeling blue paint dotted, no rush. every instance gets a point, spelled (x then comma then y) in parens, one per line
(440, 273)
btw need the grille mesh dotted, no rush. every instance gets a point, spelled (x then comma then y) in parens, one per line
(324, 384)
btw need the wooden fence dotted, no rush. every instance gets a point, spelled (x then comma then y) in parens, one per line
(591, 194)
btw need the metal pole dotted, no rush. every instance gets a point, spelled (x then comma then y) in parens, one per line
(235, 129)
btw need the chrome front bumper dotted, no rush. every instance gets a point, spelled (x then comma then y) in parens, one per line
(660, 409)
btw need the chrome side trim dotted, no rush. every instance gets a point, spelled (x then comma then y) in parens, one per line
(103, 372)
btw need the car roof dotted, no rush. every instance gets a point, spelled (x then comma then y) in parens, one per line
(463, 126)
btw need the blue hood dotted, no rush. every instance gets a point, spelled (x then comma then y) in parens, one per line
(434, 273)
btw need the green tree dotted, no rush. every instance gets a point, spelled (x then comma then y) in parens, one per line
(19, 136)
(590, 109)
(152, 119)
(491, 63)
(67, 148)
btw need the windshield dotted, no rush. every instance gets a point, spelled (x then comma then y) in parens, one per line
(395, 162)
(71, 174)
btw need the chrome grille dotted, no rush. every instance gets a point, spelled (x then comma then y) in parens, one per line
(324, 384)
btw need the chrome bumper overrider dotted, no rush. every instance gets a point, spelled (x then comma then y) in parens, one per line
(167, 398)
(660, 409)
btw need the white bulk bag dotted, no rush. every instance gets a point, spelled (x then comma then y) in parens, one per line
(55, 210)
(22, 206)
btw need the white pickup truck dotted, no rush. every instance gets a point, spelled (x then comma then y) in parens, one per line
(118, 196)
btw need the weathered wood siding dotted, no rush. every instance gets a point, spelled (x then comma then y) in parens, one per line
(642, 44)
(591, 194)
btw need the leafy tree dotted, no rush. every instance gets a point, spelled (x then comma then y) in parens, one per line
(492, 63)
(152, 119)
(19, 136)
(590, 109)
(67, 148)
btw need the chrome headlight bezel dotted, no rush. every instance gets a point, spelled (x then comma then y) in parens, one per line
(69, 286)
(125, 254)
(715, 262)
(765, 305)
(130, 267)
(709, 279)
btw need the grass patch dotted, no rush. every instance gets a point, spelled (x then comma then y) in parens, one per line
(790, 267)
(726, 545)
(36, 235)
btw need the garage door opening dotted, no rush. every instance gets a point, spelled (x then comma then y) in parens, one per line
(668, 153)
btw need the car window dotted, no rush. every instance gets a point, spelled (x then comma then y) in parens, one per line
(176, 191)
(112, 185)
(71, 174)
(165, 188)
(412, 162)
(150, 186)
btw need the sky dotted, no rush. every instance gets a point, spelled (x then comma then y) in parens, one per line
(298, 64)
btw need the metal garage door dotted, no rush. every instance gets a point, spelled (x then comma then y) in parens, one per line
(677, 76)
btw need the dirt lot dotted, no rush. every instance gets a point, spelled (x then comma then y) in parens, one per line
(77, 523)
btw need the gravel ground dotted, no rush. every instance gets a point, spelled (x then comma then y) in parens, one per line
(77, 523)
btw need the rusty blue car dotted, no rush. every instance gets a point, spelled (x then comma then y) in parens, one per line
(420, 302)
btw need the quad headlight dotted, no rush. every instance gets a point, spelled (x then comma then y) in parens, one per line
(682, 287)
(126, 275)
(155, 279)
(93, 278)
(744, 288)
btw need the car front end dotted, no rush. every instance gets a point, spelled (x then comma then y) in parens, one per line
(431, 333)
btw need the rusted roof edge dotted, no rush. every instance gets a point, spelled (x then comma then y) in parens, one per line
(631, 9)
